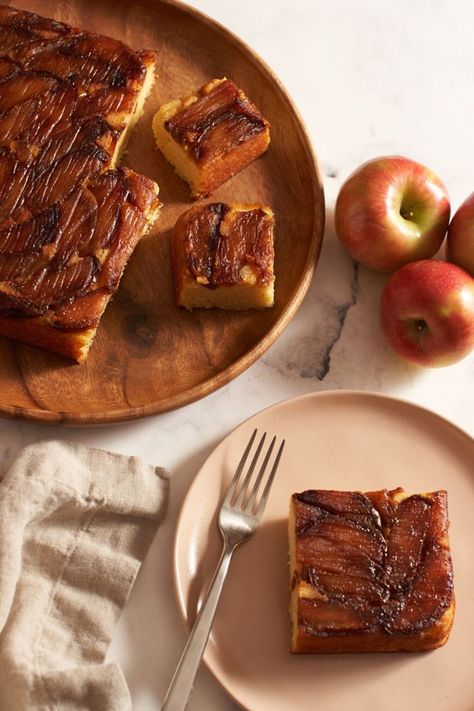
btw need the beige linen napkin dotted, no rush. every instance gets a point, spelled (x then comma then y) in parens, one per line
(75, 524)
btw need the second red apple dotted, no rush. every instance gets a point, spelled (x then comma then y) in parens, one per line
(427, 312)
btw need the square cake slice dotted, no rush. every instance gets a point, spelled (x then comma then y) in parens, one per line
(211, 135)
(68, 223)
(223, 257)
(369, 572)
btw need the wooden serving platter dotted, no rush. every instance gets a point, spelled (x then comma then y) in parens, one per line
(149, 356)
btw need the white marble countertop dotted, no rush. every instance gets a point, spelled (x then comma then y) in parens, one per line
(369, 78)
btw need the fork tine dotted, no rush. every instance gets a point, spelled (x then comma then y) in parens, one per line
(268, 485)
(238, 471)
(251, 502)
(243, 489)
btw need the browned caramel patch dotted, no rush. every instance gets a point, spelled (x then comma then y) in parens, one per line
(219, 120)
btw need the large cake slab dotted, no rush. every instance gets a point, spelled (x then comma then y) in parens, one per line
(69, 219)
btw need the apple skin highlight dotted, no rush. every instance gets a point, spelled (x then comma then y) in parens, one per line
(427, 313)
(392, 211)
(460, 243)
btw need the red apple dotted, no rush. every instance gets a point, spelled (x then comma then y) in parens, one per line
(391, 211)
(461, 236)
(427, 312)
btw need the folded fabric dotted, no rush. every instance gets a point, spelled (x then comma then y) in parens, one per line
(75, 525)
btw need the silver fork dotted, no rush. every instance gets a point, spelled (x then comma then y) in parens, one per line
(239, 517)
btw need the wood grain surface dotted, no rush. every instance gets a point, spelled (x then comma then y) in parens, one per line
(148, 355)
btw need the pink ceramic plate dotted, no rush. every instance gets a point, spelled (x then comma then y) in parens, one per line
(340, 440)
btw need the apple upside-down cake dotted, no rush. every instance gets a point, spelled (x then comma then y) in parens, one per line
(369, 572)
(211, 134)
(69, 218)
(223, 257)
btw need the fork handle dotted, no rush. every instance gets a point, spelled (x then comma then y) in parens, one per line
(181, 685)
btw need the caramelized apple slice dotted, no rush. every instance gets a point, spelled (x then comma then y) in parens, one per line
(31, 235)
(23, 86)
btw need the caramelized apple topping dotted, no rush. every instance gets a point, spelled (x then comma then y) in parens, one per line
(372, 563)
(52, 48)
(246, 240)
(219, 120)
(220, 242)
(201, 240)
(76, 247)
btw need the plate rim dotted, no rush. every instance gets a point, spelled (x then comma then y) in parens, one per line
(238, 366)
(319, 394)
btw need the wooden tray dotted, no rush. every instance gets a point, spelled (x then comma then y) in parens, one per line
(149, 356)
